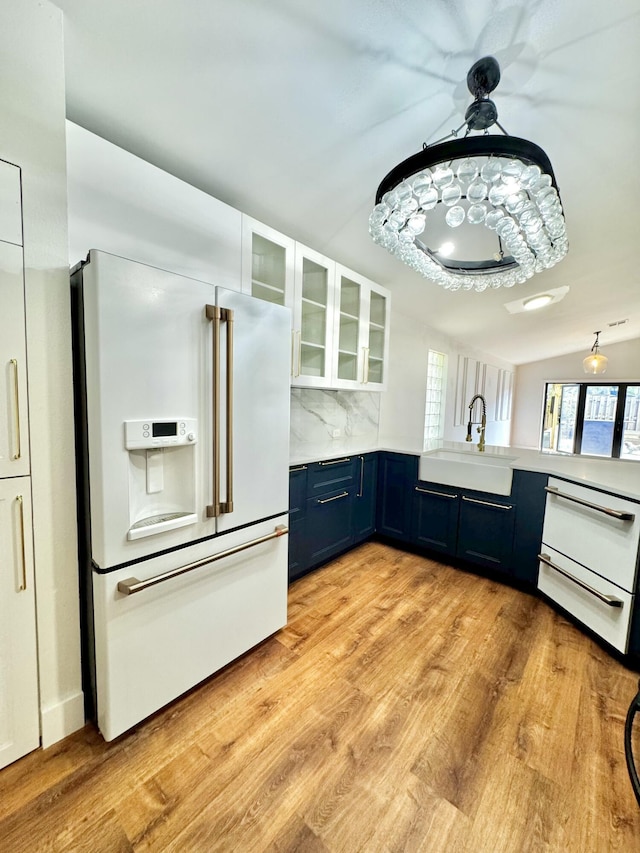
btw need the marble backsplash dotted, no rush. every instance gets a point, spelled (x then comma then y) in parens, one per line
(326, 422)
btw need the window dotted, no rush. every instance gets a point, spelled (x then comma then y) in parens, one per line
(434, 406)
(592, 419)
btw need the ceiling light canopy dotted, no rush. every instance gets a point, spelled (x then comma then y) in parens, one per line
(499, 192)
(595, 362)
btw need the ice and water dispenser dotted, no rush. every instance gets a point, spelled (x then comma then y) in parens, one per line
(162, 474)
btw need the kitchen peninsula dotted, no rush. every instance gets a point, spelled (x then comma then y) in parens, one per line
(569, 527)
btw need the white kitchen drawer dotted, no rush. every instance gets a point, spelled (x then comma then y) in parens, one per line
(609, 618)
(589, 535)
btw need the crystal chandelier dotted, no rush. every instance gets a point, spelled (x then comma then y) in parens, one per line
(497, 192)
(595, 362)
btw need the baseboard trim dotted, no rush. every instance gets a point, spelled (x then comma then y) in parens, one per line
(62, 719)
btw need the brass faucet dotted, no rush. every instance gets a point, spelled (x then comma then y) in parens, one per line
(483, 421)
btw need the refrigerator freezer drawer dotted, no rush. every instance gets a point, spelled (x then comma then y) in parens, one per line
(597, 603)
(181, 627)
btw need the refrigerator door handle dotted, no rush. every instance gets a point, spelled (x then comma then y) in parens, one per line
(132, 585)
(227, 314)
(219, 315)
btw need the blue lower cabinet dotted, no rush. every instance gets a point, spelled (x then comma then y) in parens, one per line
(485, 531)
(397, 476)
(530, 497)
(329, 525)
(298, 551)
(364, 502)
(435, 517)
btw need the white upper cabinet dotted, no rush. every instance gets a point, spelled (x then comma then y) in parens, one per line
(339, 319)
(361, 333)
(14, 413)
(313, 311)
(10, 204)
(267, 263)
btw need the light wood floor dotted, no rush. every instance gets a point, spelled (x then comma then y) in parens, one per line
(407, 706)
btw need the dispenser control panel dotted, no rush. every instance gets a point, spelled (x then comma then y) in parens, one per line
(165, 432)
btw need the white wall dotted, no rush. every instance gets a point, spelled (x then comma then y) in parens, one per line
(32, 106)
(402, 407)
(624, 366)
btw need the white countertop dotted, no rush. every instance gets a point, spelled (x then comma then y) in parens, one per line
(615, 475)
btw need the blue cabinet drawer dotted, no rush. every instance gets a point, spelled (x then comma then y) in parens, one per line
(329, 524)
(330, 476)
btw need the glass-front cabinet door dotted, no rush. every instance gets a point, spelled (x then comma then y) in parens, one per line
(312, 318)
(350, 359)
(267, 263)
(361, 332)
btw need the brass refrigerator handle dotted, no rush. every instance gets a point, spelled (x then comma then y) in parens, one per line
(129, 586)
(217, 315)
(23, 585)
(609, 600)
(212, 312)
(227, 314)
(16, 402)
(614, 513)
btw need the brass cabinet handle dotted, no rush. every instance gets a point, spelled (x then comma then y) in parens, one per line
(486, 503)
(16, 403)
(297, 468)
(217, 315)
(609, 600)
(299, 370)
(365, 365)
(335, 461)
(359, 495)
(293, 356)
(614, 513)
(23, 552)
(334, 498)
(432, 492)
(133, 585)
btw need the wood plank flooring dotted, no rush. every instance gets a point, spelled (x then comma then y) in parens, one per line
(407, 706)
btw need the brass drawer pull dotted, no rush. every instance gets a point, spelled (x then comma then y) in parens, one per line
(335, 461)
(432, 492)
(609, 600)
(334, 498)
(614, 513)
(486, 503)
(132, 585)
(298, 468)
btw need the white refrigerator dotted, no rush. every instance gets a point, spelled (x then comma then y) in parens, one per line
(182, 412)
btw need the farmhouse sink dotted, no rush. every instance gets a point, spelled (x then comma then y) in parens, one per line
(482, 472)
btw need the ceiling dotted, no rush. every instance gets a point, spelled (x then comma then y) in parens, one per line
(294, 110)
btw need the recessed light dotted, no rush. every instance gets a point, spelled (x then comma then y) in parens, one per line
(446, 249)
(537, 302)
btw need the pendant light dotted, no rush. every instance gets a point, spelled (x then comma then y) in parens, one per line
(495, 197)
(595, 362)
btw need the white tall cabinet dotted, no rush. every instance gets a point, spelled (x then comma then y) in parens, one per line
(19, 711)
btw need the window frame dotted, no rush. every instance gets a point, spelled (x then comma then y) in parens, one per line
(618, 421)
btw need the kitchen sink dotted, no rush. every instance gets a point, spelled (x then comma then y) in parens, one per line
(482, 472)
